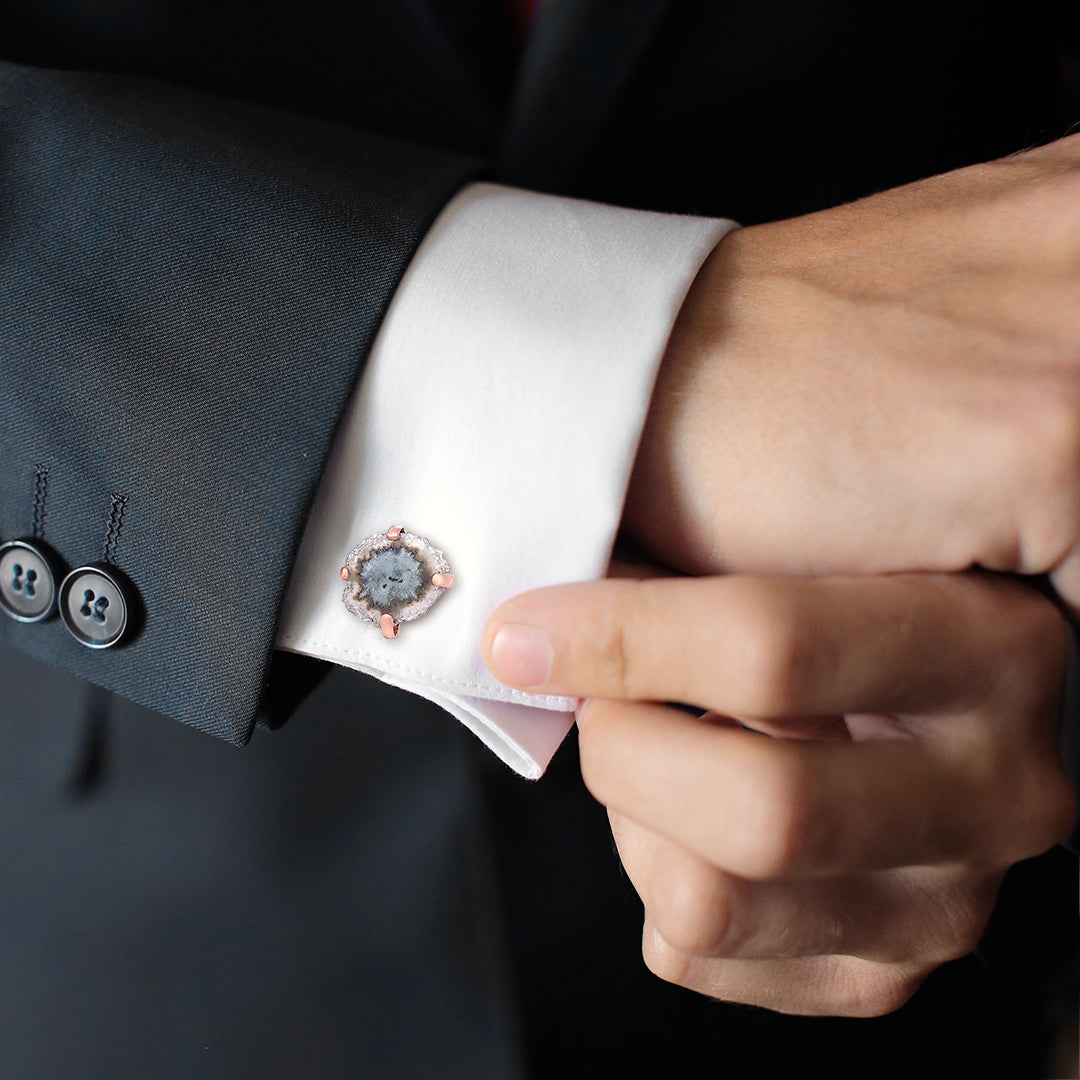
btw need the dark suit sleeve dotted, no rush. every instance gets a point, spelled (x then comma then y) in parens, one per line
(188, 290)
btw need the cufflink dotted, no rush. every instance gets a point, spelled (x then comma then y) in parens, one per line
(394, 577)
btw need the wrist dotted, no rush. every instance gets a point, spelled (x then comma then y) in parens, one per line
(666, 507)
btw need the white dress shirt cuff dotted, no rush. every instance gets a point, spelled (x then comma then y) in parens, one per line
(498, 416)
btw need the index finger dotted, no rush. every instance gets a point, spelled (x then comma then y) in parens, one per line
(765, 808)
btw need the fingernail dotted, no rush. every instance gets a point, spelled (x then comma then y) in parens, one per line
(522, 655)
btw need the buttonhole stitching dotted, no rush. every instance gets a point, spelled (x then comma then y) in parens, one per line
(41, 493)
(115, 524)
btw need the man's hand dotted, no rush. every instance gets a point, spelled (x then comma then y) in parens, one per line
(892, 385)
(829, 868)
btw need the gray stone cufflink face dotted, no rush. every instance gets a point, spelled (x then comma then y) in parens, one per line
(394, 577)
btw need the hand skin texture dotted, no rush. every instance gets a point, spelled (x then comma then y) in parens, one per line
(891, 385)
(829, 868)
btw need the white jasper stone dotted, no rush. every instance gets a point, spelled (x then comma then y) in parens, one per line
(393, 577)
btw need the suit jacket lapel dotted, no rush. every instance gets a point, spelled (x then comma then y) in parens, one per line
(580, 56)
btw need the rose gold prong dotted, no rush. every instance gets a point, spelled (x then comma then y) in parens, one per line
(344, 573)
(442, 581)
(389, 627)
(394, 532)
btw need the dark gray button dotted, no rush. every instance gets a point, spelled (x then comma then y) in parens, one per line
(94, 607)
(27, 584)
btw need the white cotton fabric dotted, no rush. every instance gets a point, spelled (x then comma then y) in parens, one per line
(498, 416)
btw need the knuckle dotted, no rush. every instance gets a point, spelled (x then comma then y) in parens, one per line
(693, 915)
(963, 938)
(1045, 636)
(864, 990)
(1049, 809)
(778, 656)
(955, 921)
(781, 831)
(1039, 806)
(1034, 808)
(597, 744)
(881, 996)
(1030, 660)
(606, 642)
(664, 960)
(621, 640)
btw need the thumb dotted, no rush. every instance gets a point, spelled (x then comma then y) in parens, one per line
(774, 647)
